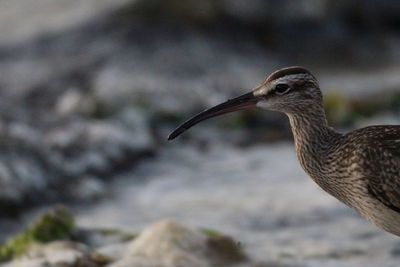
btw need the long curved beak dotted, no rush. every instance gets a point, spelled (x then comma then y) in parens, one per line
(246, 101)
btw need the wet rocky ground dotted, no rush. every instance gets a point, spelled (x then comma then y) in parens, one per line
(259, 196)
(88, 97)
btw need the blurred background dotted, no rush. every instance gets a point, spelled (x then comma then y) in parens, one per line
(90, 89)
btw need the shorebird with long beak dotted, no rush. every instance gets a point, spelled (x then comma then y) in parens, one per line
(360, 168)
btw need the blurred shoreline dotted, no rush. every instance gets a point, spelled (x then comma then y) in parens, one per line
(90, 90)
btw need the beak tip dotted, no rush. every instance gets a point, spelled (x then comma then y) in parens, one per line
(178, 131)
(171, 136)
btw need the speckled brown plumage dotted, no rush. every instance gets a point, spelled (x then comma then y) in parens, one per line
(360, 168)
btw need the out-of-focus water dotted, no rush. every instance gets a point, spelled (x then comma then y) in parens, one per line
(259, 195)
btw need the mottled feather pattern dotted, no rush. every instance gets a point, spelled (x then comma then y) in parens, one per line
(360, 168)
(382, 151)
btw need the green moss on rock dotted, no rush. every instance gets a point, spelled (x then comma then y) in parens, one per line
(54, 225)
(223, 246)
(210, 233)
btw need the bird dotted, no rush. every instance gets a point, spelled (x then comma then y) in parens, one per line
(360, 168)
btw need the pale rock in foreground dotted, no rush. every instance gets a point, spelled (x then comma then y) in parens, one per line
(168, 243)
(53, 254)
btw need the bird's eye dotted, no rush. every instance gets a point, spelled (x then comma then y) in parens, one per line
(282, 88)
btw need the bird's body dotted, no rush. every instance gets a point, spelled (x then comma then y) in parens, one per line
(360, 168)
(355, 168)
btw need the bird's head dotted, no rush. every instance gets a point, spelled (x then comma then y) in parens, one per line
(289, 90)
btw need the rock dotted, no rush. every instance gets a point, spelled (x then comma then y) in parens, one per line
(53, 254)
(168, 243)
(61, 253)
(54, 225)
(114, 252)
(53, 240)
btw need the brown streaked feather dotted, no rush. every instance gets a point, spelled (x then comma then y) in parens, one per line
(383, 167)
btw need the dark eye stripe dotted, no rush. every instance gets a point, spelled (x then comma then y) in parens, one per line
(281, 88)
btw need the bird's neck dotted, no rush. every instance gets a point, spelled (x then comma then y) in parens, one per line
(312, 136)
